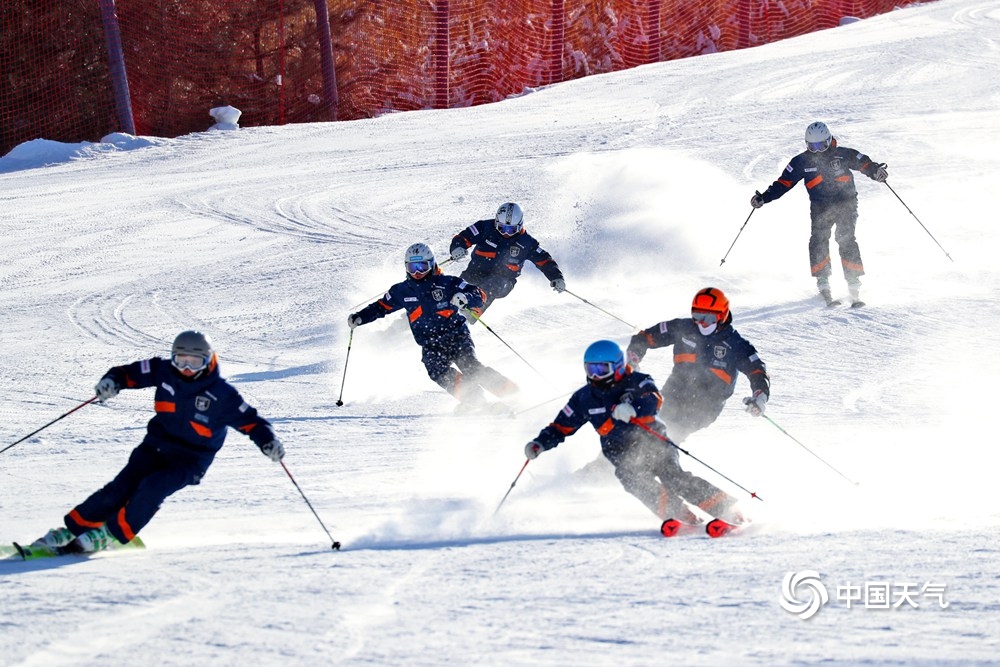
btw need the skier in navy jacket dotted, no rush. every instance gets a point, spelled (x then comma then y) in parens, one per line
(833, 201)
(621, 405)
(502, 246)
(434, 303)
(708, 355)
(194, 407)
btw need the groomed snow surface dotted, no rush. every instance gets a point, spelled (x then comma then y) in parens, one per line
(637, 183)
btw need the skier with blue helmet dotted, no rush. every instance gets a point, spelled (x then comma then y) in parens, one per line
(622, 405)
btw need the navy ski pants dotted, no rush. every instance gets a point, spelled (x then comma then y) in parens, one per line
(129, 501)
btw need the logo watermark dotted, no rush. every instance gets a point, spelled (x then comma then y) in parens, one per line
(804, 594)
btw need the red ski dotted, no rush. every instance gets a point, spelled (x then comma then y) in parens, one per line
(719, 528)
(674, 527)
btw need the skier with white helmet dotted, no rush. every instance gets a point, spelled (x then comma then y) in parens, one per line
(833, 202)
(500, 246)
(434, 303)
(194, 408)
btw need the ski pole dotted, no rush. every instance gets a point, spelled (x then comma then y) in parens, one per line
(737, 235)
(600, 309)
(340, 399)
(336, 545)
(526, 462)
(810, 451)
(546, 402)
(681, 449)
(478, 319)
(917, 219)
(62, 416)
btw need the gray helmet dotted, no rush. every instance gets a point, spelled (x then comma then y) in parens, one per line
(193, 343)
(509, 219)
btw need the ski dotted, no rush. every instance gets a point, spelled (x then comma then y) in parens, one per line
(858, 304)
(673, 528)
(35, 551)
(720, 528)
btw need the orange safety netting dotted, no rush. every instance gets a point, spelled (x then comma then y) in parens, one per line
(265, 57)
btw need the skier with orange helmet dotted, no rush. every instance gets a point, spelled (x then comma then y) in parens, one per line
(708, 356)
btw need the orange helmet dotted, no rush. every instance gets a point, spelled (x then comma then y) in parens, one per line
(708, 302)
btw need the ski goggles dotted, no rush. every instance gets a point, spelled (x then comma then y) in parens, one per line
(189, 362)
(418, 268)
(508, 230)
(599, 369)
(817, 146)
(704, 319)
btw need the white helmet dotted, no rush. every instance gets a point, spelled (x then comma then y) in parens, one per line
(818, 137)
(419, 261)
(509, 219)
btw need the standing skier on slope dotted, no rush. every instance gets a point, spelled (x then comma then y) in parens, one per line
(708, 355)
(194, 406)
(833, 201)
(434, 302)
(502, 246)
(619, 402)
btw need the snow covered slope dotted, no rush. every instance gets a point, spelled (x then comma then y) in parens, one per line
(637, 182)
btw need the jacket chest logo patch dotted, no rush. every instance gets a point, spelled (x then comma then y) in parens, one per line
(437, 294)
(837, 165)
(720, 351)
(515, 251)
(202, 403)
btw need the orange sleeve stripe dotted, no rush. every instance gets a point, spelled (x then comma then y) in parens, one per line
(83, 522)
(247, 428)
(484, 254)
(384, 304)
(203, 431)
(723, 375)
(164, 406)
(814, 182)
(123, 524)
(512, 267)
(447, 312)
(417, 312)
(606, 427)
(648, 419)
(684, 358)
(565, 430)
(844, 178)
(129, 382)
(787, 184)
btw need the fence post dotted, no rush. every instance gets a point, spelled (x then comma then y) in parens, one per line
(326, 57)
(441, 60)
(116, 65)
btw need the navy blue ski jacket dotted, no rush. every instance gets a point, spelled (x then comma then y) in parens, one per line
(192, 416)
(589, 404)
(705, 367)
(827, 174)
(428, 306)
(497, 255)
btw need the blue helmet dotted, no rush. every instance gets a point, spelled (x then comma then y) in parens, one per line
(604, 363)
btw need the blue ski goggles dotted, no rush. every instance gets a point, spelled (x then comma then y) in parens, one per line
(189, 362)
(817, 146)
(418, 268)
(508, 230)
(599, 369)
(704, 319)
